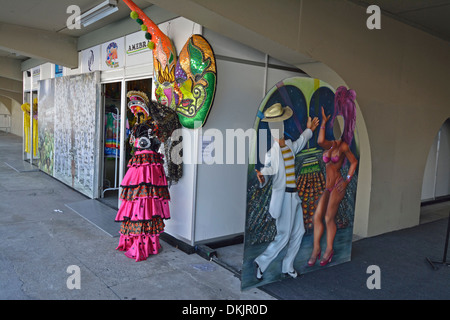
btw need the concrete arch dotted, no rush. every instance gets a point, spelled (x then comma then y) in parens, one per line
(12, 96)
(319, 70)
(7, 103)
(401, 91)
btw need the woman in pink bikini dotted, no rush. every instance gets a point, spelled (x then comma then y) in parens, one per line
(334, 156)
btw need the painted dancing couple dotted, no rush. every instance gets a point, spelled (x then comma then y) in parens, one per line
(285, 204)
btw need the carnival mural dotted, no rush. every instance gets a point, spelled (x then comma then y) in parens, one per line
(325, 167)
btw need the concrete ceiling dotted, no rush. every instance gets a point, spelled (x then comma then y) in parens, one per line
(431, 16)
(51, 16)
(46, 20)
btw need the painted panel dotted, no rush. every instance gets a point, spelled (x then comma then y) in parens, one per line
(316, 181)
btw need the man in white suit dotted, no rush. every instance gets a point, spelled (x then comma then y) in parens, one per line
(285, 204)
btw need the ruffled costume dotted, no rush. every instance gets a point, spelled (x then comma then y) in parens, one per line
(145, 193)
(145, 205)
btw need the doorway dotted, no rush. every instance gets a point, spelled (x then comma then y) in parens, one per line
(109, 182)
(30, 126)
(115, 157)
(436, 180)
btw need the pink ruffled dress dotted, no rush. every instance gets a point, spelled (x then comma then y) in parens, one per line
(144, 205)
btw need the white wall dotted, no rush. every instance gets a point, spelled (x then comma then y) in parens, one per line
(222, 188)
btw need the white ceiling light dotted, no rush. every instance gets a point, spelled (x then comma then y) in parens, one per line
(99, 12)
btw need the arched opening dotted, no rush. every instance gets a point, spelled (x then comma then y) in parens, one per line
(435, 198)
(5, 115)
(321, 71)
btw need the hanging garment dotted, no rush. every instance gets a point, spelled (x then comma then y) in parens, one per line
(26, 127)
(112, 142)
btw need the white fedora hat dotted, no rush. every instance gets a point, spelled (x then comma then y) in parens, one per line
(276, 112)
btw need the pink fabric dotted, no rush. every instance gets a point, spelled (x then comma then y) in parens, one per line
(151, 173)
(139, 247)
(143, 209)
(146, 151)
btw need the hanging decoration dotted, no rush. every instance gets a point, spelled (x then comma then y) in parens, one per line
(196, 77)
(188, 85)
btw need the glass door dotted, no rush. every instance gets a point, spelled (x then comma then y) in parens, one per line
(110, 153)
(30, 127)
(117, 122)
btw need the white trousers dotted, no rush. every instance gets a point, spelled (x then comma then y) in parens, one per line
(290, 231)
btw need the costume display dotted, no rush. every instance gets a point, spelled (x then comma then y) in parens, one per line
(145, 193)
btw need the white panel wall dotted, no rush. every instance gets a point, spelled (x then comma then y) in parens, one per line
(222, 188)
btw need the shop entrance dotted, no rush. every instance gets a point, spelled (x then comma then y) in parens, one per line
(115, 157)
(30, 125)
(109, 182)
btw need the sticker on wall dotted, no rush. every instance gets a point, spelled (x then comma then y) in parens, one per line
(58, 70)
(285, 230)
(188, 85)
(90, 59)
(112, 57)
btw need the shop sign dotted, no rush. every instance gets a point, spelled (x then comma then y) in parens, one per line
(36, 74)
(136, 49)
(58, 70)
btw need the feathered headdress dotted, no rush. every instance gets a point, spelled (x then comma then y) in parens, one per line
(138, 103)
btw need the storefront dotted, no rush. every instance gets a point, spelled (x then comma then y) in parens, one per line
(83, 119)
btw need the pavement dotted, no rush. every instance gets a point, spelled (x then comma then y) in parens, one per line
(49, 252)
